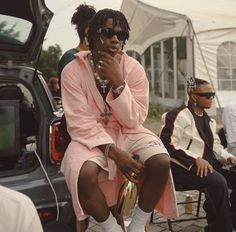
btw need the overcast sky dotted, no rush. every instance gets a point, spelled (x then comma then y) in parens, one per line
(60, 30)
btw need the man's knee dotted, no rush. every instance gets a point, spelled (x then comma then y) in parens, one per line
(88, 176)
(158, 163)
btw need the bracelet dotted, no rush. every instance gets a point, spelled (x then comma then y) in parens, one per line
(108, 148)
(119, 89)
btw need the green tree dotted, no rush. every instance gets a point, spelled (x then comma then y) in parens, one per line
(48, 63)
(9, 31)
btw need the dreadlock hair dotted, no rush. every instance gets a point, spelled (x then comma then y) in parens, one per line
(81, 19)
(99, 21)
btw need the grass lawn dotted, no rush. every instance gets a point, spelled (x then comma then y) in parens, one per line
(153, 124)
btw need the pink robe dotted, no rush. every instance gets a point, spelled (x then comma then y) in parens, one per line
(83, 105)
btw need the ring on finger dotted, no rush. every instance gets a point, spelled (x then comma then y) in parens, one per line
(133, 175)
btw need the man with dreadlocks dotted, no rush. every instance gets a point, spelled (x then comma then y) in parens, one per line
(190, 137)
(105, 98)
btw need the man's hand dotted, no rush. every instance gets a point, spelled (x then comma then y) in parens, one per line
(203, 167)
(231, 160)
(131, 168)
(109, 68)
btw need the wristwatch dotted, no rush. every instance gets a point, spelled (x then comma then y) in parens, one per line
(119, 89)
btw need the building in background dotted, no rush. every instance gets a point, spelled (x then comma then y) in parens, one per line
(176, 39)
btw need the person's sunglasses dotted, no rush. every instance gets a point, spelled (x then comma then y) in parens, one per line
(206, 95)
(108, 33)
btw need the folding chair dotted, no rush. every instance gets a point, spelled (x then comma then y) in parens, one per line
(197, 217)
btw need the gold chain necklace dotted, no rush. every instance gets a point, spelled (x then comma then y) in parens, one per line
(103, 85)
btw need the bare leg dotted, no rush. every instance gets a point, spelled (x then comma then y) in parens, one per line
(91, 197)
(81, 226)
(156, 176)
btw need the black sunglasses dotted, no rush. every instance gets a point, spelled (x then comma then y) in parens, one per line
(206, 95)
(108, 33)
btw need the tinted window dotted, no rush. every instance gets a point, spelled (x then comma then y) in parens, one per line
(14, 30)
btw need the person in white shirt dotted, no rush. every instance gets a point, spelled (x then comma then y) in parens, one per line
(198, 160)
(229, 121)
(17, 212)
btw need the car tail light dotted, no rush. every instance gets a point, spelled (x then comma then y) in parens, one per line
(59, 142)
(47, 214)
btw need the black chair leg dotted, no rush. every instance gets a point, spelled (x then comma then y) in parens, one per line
(151, 218)
(170, 222)
(169, 225)
(199, 203)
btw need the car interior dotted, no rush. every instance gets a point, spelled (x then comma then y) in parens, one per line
(18, 127)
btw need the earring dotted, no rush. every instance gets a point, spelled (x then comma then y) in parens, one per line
(194, 102)
(86, 41)
(102, 41)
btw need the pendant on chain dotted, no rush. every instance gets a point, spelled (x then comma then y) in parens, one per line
(106, 114)
(103, 83)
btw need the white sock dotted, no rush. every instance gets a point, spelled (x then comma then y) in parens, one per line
(139, 220)
(110, 224)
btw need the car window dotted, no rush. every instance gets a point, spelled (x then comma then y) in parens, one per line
(14, 30)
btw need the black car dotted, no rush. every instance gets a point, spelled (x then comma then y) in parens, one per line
(31, 146)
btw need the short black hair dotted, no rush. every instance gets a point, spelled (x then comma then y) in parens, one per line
(99, 21)
(81, 19)
(201, 82)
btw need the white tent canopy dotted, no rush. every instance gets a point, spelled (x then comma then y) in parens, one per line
(206, 23)
(152, 20)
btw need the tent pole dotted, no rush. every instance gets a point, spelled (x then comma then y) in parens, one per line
(208, 73)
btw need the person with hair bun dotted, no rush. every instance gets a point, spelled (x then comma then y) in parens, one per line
(197, 157)
(80, 20)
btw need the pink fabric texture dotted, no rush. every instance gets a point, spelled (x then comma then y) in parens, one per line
(83, 105)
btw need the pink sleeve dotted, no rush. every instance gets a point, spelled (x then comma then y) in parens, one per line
(131, 107)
